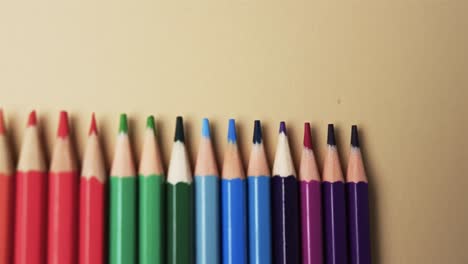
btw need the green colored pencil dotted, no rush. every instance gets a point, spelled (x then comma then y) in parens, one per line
(179, 202)
(151, 200)
(122, 247)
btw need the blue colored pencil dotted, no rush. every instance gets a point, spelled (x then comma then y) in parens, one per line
(259, 201)
(207, 248)
(233, 197)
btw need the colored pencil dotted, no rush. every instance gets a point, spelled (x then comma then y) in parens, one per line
(311, 203)
(179, 201)
(92, 201)
(207, 201)
(285, 204)
(334, 205)
(151, 194)
(233, 203)
(358, 204)
(31, 199)
(258, 180)
(123, 201)
(6, 195)
(62, 228)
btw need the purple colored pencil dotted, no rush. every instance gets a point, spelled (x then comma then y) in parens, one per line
(334, 205)
(285, 204)
(311, 204)
(358, 205)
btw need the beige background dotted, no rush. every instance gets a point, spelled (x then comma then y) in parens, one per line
(399, 69)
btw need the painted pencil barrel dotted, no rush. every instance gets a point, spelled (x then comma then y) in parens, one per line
(359, 235)
(259, 219)
(179, 225)
(207, 220)
(63, 215)
(334, 210)
(92, 221)
(151, 193)
(234, 221)
(31, 216)
(122, 246)
(311, 222)
(6, 213)
(285, 219)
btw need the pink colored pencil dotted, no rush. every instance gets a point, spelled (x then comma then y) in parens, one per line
(311, 203)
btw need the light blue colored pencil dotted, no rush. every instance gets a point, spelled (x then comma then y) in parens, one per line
(208, 240)
(259, 201)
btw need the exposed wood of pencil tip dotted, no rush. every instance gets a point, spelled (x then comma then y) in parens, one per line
(150, 162)
(283, 165)
(356, 170)
(6, 166)
(179, 166)
(332, 171)
(63, 156)
(258, 163)
(308, 170)
(31, 157)
(93, 160)
(232, 165)
(206, 161)
(123, 164)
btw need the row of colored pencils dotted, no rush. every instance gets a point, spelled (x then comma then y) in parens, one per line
(264, 217)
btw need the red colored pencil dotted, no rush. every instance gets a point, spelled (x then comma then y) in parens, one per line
(31, 194)
(63, 189)
(6, 195)
(92, 201)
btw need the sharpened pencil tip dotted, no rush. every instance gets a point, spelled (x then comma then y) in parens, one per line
(232, 135)
(123, 125)
(93, 126)
(179, 130)
(257, 135)
(206, 128)
(354, 136)
(282, 128)
(32, 120)
(150, 123)
(307, 136)
(63, 128)
(331, 135)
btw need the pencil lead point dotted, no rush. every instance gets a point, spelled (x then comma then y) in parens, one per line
(123, 125)
(257, 135)
(32, 119)
(63, 128)
(93, 126)
(206, 128)
(282, 128)
(150, 123)
(307, 136)
(331, 135)
(179, 130)
(232, 136)
(354, 136)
